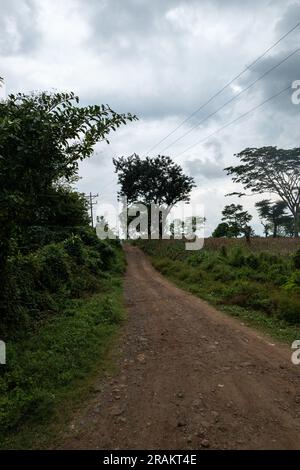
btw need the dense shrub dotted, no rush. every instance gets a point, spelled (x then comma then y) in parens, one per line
(246, 294)
(252, 261)
(222, 272)
(296, 259)
(56, 268)
(46, 365)
(39, 283)
(236, 257)
(288, 309)
(293, 284)
(75, 248)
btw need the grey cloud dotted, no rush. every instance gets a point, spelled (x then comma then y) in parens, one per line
(209, 167)
(289, 19)
(149, 47)
(284, 75)
(204, 169)
(18, 28)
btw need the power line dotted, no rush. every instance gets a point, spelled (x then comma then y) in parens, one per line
(225, 86)
(233, 121)
(231, 99)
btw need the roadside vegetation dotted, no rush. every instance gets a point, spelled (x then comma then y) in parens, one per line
(51, 370)
(261, 286)
(60, 286)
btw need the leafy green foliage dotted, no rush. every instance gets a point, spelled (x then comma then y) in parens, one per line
(237, 221)
(42, 138)
(51, 260)
(39, 283)
(50, 368)
(222, 230)
(153, 180)
(293, 283)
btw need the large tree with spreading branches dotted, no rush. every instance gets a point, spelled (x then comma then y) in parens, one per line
(158, 180)
(155, 180)
(271, 170)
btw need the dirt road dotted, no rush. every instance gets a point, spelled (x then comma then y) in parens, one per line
(189, 377)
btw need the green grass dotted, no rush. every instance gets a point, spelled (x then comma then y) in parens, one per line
(49, 373)
(262, 289)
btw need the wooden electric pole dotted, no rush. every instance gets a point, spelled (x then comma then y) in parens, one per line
(91, 198)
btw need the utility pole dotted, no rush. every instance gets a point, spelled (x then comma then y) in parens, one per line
(91, 198)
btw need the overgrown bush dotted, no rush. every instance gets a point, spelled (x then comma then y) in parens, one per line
(236, 257)
(288, 309)
(296, 259)
(39, 283)
(75, 248)
(246, 294)
(293, 284)
(42, 368)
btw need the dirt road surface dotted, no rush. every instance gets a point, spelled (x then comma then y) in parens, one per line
(189, 377)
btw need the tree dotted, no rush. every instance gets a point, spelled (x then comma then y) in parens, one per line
(42, 138)
(155, 180)
(237, 220)
(273, 213)
(286, 228)
(222, 230)
(269, 169)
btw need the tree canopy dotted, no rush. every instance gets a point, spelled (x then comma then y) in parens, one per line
(237, 220)
(273, 215)
(155, 180)
(222, 230)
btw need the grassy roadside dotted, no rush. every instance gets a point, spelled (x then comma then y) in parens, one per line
(274, 327)
(48, 374)
(250, 287)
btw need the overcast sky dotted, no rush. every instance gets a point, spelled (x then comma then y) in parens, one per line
(162, 59)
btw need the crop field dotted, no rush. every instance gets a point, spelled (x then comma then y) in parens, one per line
(281, 246)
